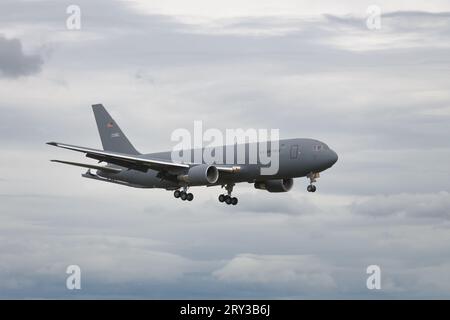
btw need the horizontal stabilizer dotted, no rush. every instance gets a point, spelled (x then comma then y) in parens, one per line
(90, 166)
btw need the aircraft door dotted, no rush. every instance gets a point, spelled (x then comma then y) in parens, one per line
(294, 151)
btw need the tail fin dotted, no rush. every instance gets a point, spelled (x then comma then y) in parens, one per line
(112, 137)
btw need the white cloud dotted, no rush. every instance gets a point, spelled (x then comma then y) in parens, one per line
(207, 9)
(400, 30)
(303, 273)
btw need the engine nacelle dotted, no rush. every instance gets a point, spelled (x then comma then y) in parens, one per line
(200, 175)
(278, 185)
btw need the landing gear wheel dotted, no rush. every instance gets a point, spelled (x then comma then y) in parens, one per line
(227, 198)
(312, 176)
(189, 197)
(183, 196)
(177, 193)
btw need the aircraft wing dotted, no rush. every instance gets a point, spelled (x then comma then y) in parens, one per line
(124, 160)
(90, 166)
(132, 162)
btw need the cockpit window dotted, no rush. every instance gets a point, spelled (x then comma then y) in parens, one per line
(317, 147)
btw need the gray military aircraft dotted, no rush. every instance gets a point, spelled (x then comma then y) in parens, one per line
(126, 166)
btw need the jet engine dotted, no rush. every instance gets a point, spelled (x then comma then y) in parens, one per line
(201, 174)
(276, 185)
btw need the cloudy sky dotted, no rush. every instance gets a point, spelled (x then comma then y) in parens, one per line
(380, 98)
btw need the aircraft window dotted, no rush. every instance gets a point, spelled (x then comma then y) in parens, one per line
(317, 147)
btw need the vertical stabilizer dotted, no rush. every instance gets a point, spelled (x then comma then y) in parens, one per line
(113, 139)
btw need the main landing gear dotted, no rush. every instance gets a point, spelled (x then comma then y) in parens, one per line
(227, 198)
(312, 178)
(183, 195)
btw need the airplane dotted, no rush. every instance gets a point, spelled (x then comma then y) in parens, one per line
(126, 166)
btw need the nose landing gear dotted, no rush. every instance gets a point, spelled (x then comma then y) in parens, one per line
(227, 198)
(313, 176)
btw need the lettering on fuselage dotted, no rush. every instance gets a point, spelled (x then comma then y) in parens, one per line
(237, 146)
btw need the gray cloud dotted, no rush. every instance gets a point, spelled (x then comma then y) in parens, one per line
(382, 104)
(14, 62)
(425, 206)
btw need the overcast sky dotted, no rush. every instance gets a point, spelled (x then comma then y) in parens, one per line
(380, 98)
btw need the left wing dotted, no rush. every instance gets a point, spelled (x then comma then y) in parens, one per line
(125, 160)
(134, 162)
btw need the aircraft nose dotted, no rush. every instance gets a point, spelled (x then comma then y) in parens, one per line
(333, 157)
